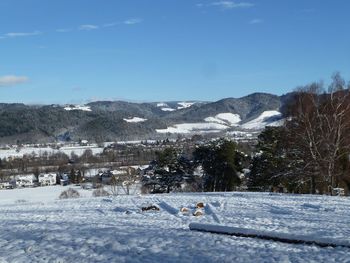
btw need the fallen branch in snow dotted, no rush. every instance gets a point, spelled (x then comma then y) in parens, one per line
(151, 207)
(279, 237)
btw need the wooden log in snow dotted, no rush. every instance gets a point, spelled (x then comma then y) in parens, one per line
(266, 235)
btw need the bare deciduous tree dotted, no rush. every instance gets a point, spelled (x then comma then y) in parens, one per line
(320, 123)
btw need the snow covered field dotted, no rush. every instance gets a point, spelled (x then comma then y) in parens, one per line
(37, 227)
(193, 127)
(78, 150)
(225, 118)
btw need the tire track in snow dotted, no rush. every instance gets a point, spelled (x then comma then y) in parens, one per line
(168, 208)
(210, 211)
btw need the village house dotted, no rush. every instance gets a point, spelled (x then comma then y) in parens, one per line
(84, 142)
(26, 180)
(63, 179)
(7, 185)
(47, 179)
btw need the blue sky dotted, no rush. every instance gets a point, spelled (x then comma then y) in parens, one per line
(65, 51)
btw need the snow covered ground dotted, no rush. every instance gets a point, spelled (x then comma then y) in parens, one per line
(162, 104)
(135, 120)
(78, 150)
(38, 227)
(220, 122)
(225, 121)
(77, 107)
(184, 105)
(167, 109)
(267, 118)
(225, 118)
(181, 105)
(194, 127)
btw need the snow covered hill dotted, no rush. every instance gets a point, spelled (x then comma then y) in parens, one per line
(267, 118)
(37, 227)
(225, 121)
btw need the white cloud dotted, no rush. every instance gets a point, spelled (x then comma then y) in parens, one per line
(132, 21)
(88, 27)
(23, 34)
(12, 80)
(256, 21)
(226, 5)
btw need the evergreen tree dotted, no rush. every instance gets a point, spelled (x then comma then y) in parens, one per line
(170, 169)
(71, 176)
(269, 162)
(221, 164)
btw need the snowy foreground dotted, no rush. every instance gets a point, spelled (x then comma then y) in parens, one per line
(37, 227)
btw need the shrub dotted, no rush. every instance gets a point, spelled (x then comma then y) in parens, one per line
(100, 192)
(145, 189)
(70, 193)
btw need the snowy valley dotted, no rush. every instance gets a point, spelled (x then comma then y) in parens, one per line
(174, 131)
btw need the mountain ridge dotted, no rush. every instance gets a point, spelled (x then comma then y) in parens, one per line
(107, 120)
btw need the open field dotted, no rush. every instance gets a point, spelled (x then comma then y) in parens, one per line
(38, 227)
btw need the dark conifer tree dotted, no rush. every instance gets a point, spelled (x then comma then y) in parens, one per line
(220, 161)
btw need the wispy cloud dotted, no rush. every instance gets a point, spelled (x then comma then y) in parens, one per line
(12, 80)
(84, 27)
(111, 24)
(256, 21)
(132, 21)
(88, 27)
(226, 5)
(64, 30)
(23, 34)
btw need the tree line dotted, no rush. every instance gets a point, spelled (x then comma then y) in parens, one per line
(220, 164)
(310, 152)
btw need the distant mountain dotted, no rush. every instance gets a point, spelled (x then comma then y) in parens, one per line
(247, 107)
(120, 120)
